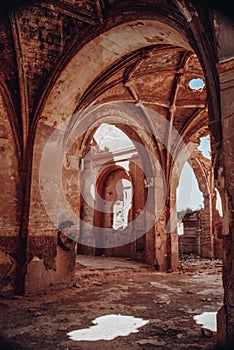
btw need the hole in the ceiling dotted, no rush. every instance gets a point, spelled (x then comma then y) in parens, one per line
(196, 84)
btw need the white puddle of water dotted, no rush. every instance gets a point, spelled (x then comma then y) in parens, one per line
(108, 327)
(207, 320)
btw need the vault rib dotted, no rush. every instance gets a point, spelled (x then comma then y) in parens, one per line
(197, 120)
(22, 80)
(71, 11)
(173, 97)
(100, 6)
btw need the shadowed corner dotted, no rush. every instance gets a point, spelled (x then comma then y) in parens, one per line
(8, 345)
(229, 346)
(12, 5)
(224, 6)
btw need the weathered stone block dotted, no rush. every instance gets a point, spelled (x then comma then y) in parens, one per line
(221, 326)
(7, 274)
(38, 279)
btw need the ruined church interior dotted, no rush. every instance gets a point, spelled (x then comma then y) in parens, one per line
(102, 105)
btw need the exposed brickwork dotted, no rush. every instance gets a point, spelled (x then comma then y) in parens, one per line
(88, 6)
(46, 35)
(45, 248)
(189, 242)
(9, 72)
(9, 244)
(8, 177)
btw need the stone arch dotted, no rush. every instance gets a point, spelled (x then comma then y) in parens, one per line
(108, 193)
(68, 90)
(110, 169)
(188, 28)
(144, 247)
(202, 169)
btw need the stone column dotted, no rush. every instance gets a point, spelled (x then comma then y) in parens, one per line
(162, 237)
(87, 238)
(225, 172)
(226, 182)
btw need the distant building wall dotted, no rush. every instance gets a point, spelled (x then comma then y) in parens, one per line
(189, 242)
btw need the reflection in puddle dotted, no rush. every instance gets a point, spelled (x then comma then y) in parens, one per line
(207, 320)
(108, 327)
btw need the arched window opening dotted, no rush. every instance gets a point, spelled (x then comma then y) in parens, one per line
(218, 203)
(196, 84)
(190, 200)
(204, 146)
(188, 193)
(110, 137)
(180, 227)
(122, 206)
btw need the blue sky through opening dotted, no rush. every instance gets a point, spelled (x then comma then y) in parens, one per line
(196, 84)
(188, 193)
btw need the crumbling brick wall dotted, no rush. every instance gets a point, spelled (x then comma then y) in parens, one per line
(189, 242)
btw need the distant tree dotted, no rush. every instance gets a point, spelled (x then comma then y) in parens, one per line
(183, 212)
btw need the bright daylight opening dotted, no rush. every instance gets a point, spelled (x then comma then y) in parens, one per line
(204, 146)
(110, 137)
(121, 207)
(188, 192)
(218, 203)
(197, 84)
(189, 196)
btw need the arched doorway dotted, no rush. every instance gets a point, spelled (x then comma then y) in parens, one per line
(181, 59)
(114, 175)
(114, 210)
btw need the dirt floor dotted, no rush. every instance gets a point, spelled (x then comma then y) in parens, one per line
(106, 286)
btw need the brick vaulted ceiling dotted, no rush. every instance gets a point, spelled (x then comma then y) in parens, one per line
(37, 39)
(157, 77)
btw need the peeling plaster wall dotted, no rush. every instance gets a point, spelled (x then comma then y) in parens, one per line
(48, 263)
(9, 211)
(8, 177)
